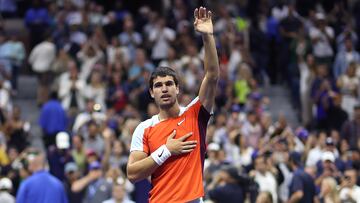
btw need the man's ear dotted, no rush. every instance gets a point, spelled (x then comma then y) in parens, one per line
(177, 90)
(151, 93)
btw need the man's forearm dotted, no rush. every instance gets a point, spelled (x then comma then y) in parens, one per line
(296, 197)
(211, 62)
(141, 169)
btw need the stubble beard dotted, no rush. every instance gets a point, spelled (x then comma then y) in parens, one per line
(167, 106)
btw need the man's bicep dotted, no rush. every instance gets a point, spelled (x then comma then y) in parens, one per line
(136, 156)
(138, 140)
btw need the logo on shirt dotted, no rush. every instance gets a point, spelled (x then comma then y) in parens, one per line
(159, 155)
(179, 123)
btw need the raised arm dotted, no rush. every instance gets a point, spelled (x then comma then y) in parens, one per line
(203, 24)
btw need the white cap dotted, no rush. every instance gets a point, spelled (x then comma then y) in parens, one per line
(213, 147)
(62, 140)
(5, 183)
(328, 156)
(320, 16)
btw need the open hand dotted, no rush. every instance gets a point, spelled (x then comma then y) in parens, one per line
(180, 146)
(203, 23)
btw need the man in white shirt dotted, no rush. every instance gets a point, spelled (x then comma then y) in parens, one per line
(321, 37)
(350, 192)
(40, 59)
(264, 178)
(161, 37)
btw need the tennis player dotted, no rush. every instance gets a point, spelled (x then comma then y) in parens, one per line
(170, 146)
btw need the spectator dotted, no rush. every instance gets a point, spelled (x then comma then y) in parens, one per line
(302, 187)
(92, 112)
(141, 64)
(264, 178)
(89, 55)
(8, 9)
(93, 139)
(117, 157)
(97, 188)
(95, 89)
(117, 92)
(40, 187)
(322, 37)
(59, 155)
(324, 99)
(171, 60)
(118, 195)
(329, 192)
(116, 52)
(351, 129)
(37, 20)
(344, 58)
(17, 130)
(289, 28)
(5, 57)
(78, 153)
(160, 37)
(242, 84)
(112, 26)
(336, 115)
(225, 187)
(252, 130)
(70, 89)
(314, 154)
(61, 62)
(5, 93)
(326, 168)
(348, 33)
(348, 84)
(5, 191)
(72, 174)
(350, 191)
(40, 59)
(129, 37)
(115, 175)
(52, 120)
(307, 74)
(15, 53)
(213, 162)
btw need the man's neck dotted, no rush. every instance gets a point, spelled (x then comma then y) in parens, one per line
(169, 113)
(119, 200)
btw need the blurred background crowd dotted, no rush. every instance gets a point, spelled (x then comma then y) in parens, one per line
(92, 61)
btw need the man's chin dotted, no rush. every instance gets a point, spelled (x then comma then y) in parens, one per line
(166, 105)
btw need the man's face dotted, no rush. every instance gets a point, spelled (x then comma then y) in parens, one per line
(93, 130)
(164, 92)
(260, 165)
(118, 192)
(350, 177)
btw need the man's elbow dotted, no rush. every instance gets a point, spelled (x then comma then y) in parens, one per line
(213, 75)
(297, 196)
(133, 177)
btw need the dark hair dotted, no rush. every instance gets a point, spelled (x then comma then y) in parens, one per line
(54, 95)
(163, 72)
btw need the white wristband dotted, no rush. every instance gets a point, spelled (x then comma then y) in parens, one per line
(161, 155)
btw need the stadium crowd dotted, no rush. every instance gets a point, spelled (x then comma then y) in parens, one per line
(93, 64)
